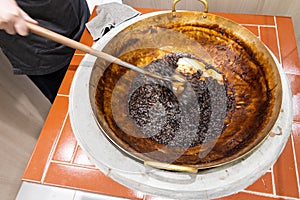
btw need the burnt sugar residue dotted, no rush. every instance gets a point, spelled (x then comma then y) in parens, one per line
(212, 121)
(186, 120)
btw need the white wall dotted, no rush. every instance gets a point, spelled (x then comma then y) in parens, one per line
(23, 110)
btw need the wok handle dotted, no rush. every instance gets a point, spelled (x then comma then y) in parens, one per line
(202, 1)
(170, 167)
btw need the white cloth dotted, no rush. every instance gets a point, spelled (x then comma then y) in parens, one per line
(109, 15)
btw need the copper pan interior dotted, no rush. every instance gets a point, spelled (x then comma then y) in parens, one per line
(153, 37)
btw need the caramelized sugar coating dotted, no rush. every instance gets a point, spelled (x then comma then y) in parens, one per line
(213, 121)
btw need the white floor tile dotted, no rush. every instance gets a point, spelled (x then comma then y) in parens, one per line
(90, 196)
(34, 191)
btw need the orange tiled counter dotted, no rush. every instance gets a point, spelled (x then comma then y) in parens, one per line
(58, 159)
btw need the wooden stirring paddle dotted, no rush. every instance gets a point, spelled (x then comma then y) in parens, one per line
(46, 33)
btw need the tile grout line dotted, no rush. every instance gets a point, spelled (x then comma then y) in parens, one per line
(79, 54)
(258, 32)
(92, 167)
(52, 150)
(63, 95)
(74, 153)
(268, 195)
(278, 43)
(273, 181)
(262, 25)
(295, 161)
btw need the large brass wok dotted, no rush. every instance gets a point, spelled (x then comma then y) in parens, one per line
(246, 63)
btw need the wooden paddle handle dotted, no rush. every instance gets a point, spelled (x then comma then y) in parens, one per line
(46, 33)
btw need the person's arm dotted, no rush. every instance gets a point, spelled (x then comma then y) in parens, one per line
(12, 18)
